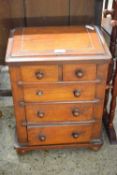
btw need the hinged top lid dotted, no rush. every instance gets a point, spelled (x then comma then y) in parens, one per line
(51, 43)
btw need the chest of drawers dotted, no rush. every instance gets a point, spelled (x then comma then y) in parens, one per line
(58, 77)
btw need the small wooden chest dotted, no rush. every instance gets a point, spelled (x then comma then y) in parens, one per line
(58, 77)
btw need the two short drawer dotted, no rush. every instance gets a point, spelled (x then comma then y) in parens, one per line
(53, 73)
(58, 83)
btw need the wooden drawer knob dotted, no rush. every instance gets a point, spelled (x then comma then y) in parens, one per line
(42, 138)
(75, 135)
(39, 75)
(76, 112)
(40, 114)
(39, 93)
(77, 93)
(79, 73)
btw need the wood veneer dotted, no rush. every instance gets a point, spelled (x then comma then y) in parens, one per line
(71, 77)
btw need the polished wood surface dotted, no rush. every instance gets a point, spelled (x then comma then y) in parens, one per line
(59, 135)
(37, 113)
(60, 97)
(19, 112)
(42, 73)
(54, 47)
(45, 13)
(59, 92)
(79, 72)
(56, 41)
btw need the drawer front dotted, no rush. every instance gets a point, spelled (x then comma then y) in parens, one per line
(59, 134)
(79, 72)
(59, 112)
(59, 92)
(40, 73)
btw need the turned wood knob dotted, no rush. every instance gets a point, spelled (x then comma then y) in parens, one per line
(39, 75)
(77, 93)
(39, 93)
(75, 135)
(79, 73)
(40, 114)
(42, 138)
(76, 112)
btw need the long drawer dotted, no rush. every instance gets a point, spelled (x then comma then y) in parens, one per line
(59, 134)
(36, 113)
(59, 92)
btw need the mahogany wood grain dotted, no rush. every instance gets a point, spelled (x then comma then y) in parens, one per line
(19, 111)
(41, 12)
(59, 135)
(59, 92)
(48, 106)
(80, 13)
(57, 55)
(23, 149)
(37, 113)
(102, 71)
(76, 72)
(54, 12)
(39, 73)
(45, 41)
